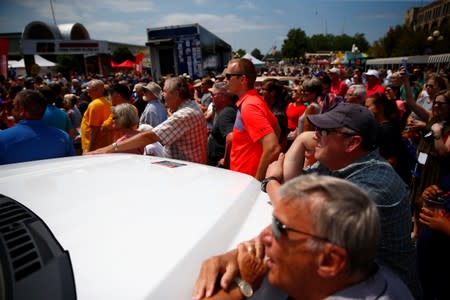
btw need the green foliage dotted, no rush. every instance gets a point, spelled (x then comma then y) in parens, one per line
(296, 43)
(240, 52)
(256, 53)
(343, 42)
(67, 63)
(405, 41)
(121, 54)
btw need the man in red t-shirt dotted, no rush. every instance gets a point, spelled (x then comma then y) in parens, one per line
(255, 133)
(373, 85)
(338, 87)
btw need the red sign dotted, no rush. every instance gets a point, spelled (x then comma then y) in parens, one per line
(4, 57)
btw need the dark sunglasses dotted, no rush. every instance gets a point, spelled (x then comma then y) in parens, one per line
(229, 75)
(279, 228)
(429, 86)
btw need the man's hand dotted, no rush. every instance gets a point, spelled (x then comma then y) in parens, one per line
(275, 169)
(251, 262)
(225, 265)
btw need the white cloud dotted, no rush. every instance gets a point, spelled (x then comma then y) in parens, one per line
(200, 2)
(247, 5)
(228, 23)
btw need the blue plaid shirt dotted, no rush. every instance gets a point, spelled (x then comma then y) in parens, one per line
(376, 176)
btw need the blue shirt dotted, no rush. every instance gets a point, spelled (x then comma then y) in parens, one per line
(33, 140)
(57, 118)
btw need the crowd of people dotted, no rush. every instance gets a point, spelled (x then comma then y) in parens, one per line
(376, 140)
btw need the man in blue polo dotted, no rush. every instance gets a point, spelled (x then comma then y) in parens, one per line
(31, 138)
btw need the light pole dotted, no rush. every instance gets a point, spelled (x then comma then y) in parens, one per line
(433, 38)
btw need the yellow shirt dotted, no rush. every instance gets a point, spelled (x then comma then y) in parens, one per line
(97, 112)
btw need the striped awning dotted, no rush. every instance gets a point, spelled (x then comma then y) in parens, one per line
(439, 58)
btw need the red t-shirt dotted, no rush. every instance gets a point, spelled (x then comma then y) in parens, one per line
(254, 120)
(378, 88)
(293, 112)
(339, 88)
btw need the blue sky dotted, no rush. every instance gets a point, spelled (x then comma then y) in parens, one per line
(245, 24)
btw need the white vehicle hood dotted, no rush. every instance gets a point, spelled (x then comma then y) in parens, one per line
(135, 229)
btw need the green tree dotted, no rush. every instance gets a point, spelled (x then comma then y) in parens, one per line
(320, 42)
(239, 53)
(257, 54)
(67, 63)
(121, 54)
(295, 45)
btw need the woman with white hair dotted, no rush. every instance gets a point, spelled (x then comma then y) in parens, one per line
(125, 122)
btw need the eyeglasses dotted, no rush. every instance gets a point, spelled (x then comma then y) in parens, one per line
(229, 75)
(279, 228)
(326, 132)
(429, 86)
(439, 104)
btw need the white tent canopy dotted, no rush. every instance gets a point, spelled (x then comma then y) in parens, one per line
(19, 66)
(42, 62)
(255, 61)
(39, 60)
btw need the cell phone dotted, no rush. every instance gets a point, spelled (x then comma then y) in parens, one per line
(405, 66)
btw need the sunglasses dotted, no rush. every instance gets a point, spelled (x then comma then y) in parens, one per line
(279, 229)
(229, 75)
(326, 132)
(429, 86)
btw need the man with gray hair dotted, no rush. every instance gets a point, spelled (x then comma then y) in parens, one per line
(154, 113)
(356, 94)
(183, 134)
(219, 139)
(321, 244)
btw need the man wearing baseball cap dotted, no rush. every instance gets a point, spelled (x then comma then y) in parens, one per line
(344, 146)
(373, 85)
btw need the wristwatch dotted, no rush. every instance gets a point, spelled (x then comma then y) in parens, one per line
(266, 181)
(115, 147)
(244, 286)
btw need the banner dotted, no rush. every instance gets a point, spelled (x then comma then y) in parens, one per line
(4, 57)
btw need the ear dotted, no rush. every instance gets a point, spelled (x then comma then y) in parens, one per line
(352, 143)
(332, 261)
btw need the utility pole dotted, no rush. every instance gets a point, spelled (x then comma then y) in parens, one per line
(53, 12)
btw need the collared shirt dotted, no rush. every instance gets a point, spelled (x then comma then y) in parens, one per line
(55, 117)
(383, 285)
(254, 120)
(377, 177)
(184, 134)
(154, 113)
(33, 140)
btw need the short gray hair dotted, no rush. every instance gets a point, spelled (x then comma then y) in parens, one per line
(345, 216)
(359, 90)
(125, 116)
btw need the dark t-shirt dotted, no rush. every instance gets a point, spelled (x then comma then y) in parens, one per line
(221, 128)
(390, 144)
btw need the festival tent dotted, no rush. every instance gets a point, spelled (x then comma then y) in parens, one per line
(258, 63)
(126, 64)
(19, 66)
(42, 62)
